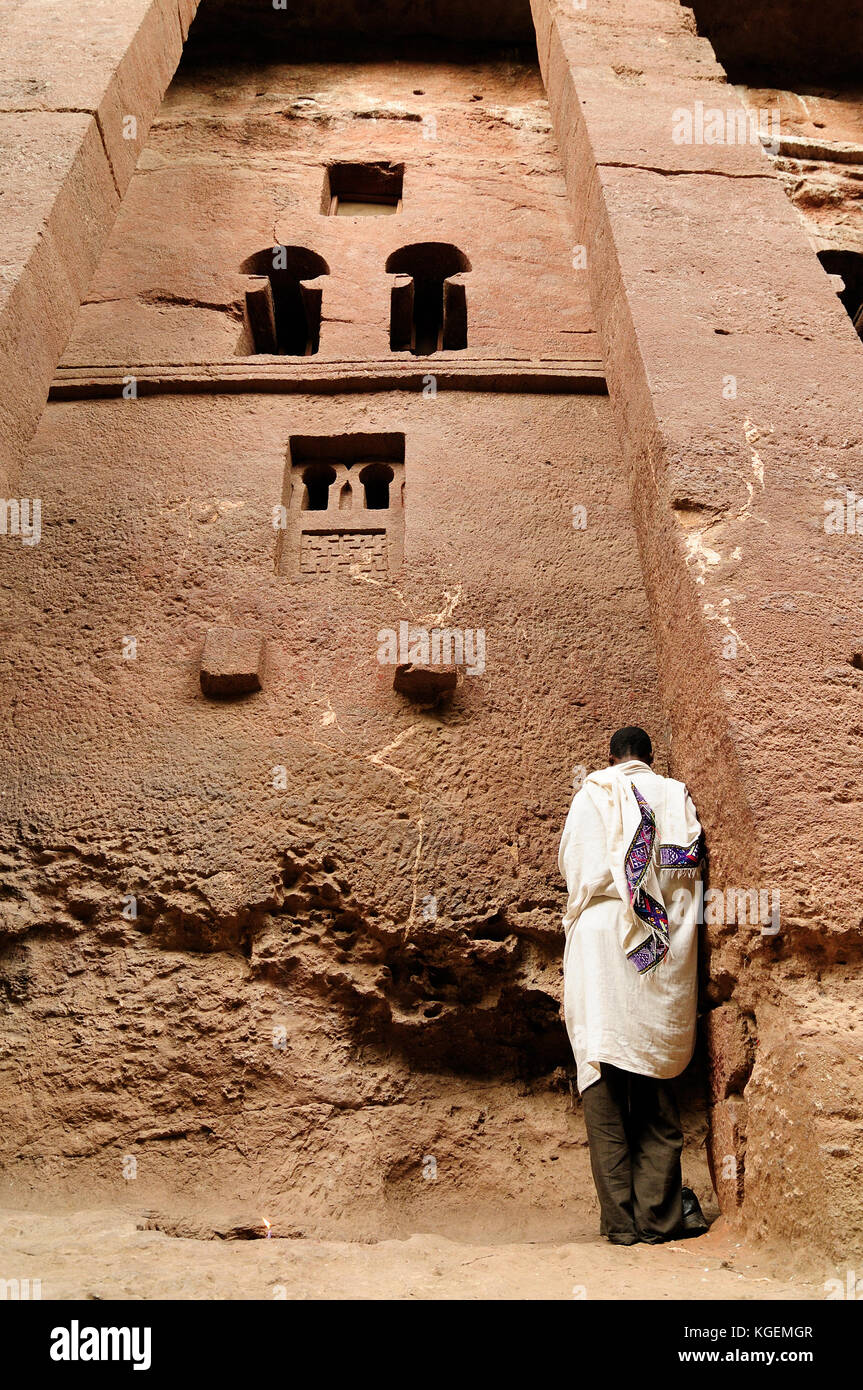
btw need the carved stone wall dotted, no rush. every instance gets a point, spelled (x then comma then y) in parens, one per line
(286, 945)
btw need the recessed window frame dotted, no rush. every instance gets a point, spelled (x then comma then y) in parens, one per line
(364, 477)
(373, 183)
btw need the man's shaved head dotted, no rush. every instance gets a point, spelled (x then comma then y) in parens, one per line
(631, 742)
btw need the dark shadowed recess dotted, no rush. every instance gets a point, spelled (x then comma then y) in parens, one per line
(361, 29)
(776, 43)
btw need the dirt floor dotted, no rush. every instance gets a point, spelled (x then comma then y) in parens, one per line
(110, 1254)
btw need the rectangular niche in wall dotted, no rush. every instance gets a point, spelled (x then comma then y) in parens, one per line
(343, 497)
(363, 190)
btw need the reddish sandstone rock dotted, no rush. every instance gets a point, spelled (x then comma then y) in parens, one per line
(731, 1048)
(727, 1152)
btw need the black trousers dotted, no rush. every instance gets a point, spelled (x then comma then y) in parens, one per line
(633, 1129)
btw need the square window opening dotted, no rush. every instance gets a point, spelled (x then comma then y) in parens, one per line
(363, 190)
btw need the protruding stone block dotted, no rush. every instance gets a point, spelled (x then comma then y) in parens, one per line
(426, 685)
(401, 313)
(454, 313)
(232, 661)
(262, 314)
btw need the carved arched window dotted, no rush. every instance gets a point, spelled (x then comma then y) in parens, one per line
(376, 479)
(318, 479)
(283, 307)
(428, 304)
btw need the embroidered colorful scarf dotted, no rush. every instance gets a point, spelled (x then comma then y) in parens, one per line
(643, 855)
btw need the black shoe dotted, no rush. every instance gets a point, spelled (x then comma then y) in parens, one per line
(694, 1223)
(623, 1238)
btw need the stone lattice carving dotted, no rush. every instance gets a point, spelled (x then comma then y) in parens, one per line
(333, 552)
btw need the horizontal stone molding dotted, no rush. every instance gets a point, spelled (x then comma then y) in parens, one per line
(560, 377)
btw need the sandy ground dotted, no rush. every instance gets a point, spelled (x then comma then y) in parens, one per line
(109, 1254)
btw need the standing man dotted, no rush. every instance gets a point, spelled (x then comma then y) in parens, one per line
(631, 845)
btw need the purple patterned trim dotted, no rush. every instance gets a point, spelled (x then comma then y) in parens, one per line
(680, 856)
(648, 955)
(652, 913)
(638, 856)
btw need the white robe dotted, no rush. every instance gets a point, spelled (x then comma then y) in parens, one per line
(640, 1023)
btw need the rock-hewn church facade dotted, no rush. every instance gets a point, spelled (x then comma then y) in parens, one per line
(396, 401)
